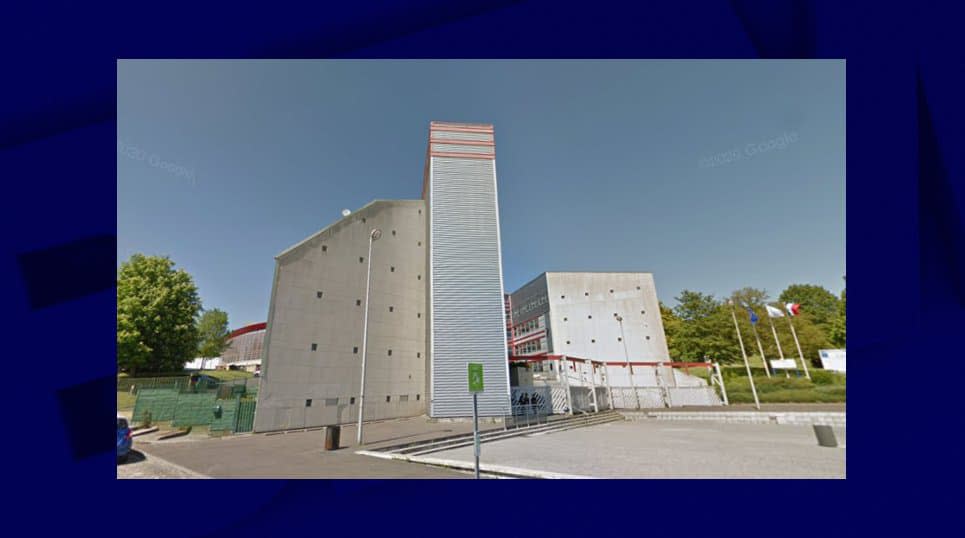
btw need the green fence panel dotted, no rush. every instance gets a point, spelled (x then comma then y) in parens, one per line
(229, 412)
(194, 409)
(124, 383)
(161, 404)
(246, 416)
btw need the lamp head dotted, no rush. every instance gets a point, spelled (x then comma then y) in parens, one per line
(376, 234)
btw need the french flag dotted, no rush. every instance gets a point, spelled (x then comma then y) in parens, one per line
(793, 308)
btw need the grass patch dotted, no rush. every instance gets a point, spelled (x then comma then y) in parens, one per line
(784, 390)
(227, 375)
(125, 400)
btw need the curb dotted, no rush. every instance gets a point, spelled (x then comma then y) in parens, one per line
(499, 470)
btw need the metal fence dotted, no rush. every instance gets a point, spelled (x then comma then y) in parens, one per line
(223, 406)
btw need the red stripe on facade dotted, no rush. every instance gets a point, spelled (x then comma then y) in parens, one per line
(248, 329)
(457, 142)
(488, 156)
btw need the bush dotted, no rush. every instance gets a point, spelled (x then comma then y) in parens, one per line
(824, 377)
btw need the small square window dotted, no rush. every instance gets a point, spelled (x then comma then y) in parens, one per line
(351, 401)
(358, 302)
(392, 269)
(324, 248)
(418, 355)
(420, 243)
(314, 346)
(418, 277)
(361, 259)
(419, 315)
(318, 294)
(391, 309)
(611, 291)
(648, 338)
(420, 211)
(564, 319)
(619, 339)
(329, 402)
(567, 342)
(643, 311)
(586, 294)
(355, 350)
(562, 296)
(388, 399)
(593, 341)
(308, 402)
(589, 317)
(363, 220)
(390, 352)
(416, 396)
(393, 232)
(638, 287)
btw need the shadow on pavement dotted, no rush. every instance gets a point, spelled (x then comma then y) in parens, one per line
(134, 456)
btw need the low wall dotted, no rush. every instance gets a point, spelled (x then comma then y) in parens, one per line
(830, 418)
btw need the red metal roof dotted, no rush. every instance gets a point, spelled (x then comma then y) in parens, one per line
(248, 329)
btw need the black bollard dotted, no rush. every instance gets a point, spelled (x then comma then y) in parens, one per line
(825, 435)
(332, 434)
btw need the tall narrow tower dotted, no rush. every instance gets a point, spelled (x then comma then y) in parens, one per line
(465, 292)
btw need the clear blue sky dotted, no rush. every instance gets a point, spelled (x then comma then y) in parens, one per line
(602, 165)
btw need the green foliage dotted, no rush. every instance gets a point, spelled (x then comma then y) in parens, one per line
(838, 333)
(780, 389)
(816, 301)
(701, 329)
(754, 297)
(693, 305)
(212, 333)
(156, 311)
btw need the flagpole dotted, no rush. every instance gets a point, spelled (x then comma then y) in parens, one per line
(767, 369)
(750, 377)
(799, 352)
(780, 352)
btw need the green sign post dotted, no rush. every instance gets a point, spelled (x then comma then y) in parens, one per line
(475, 387)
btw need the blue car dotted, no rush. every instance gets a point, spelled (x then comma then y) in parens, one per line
(124, 441)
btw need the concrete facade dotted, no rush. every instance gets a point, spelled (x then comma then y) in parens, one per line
(311, 371)
(574, 314)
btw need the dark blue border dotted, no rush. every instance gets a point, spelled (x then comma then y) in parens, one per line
(906, 198)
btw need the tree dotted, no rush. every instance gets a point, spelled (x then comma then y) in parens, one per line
(694, 305)
(750, 296)
(701, 329)
(817, 301)
(212, 334)
(839, 326)
(671, 326)
(156, 311)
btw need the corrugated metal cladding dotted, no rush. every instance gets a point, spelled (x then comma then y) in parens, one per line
(466, 297)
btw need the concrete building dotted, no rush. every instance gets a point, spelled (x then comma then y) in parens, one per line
(588, 330)
(435, 302)
(245, 348)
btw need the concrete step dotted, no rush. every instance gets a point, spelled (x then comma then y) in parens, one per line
(437, 445)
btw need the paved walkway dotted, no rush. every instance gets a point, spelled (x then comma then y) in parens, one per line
(141, 465)
(300, 454)
(658, 449)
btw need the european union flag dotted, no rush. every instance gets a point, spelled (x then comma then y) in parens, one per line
(751, 312)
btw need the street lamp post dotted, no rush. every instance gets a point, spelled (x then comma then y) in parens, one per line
(626, 355)
(374, 235)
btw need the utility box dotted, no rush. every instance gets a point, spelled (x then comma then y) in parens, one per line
(332, 435)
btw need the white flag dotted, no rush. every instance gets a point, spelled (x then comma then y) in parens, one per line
(774, 312)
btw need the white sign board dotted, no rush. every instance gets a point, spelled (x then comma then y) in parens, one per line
(783, 364)
(833, 359)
